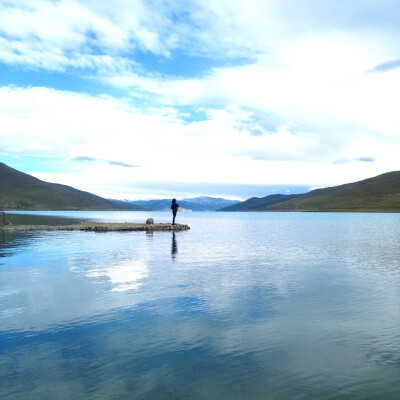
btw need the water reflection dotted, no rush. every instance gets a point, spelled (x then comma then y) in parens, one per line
(174, 246)
(289, 307)
(37, 219)
(123, 276)
(11, 241)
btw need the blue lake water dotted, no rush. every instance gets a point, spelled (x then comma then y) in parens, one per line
(241, 306)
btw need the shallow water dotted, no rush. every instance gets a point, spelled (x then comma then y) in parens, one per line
(242, 306)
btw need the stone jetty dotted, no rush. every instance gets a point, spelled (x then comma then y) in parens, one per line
(99, 227)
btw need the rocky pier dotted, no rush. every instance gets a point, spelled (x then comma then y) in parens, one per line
(100, 227)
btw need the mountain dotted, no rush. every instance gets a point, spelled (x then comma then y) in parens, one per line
(20, 191)
(202, 203)
(377, 194)
(155, 205)
(260, 204)
(212, 203)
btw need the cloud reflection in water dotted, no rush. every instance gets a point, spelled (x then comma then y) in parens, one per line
(123, 276)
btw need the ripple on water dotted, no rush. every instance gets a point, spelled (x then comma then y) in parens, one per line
(261, 306)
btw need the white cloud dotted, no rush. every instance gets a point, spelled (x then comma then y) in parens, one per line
(56, 35)
(68, 33)
(220, 149)
(294, 74)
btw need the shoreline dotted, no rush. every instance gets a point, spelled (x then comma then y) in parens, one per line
(99, 227)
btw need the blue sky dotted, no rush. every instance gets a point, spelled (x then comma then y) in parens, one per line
(144, 99)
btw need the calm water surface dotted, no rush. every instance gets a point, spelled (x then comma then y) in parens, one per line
(242, 306)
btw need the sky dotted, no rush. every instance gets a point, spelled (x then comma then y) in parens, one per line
(133, 99)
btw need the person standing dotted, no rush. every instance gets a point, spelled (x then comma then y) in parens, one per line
(174, 208)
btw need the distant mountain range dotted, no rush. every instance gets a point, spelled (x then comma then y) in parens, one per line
(20, 191)
(202, 203)
(260, 204)
(378, 194)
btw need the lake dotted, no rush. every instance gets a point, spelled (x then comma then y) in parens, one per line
(241, 306)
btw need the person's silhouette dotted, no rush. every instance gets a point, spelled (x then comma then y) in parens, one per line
(174, 208)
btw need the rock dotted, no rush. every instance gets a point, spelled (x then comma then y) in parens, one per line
(150, 221)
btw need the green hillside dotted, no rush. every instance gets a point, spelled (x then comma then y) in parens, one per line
(259, 204)
(378, 194)
(20, 191)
